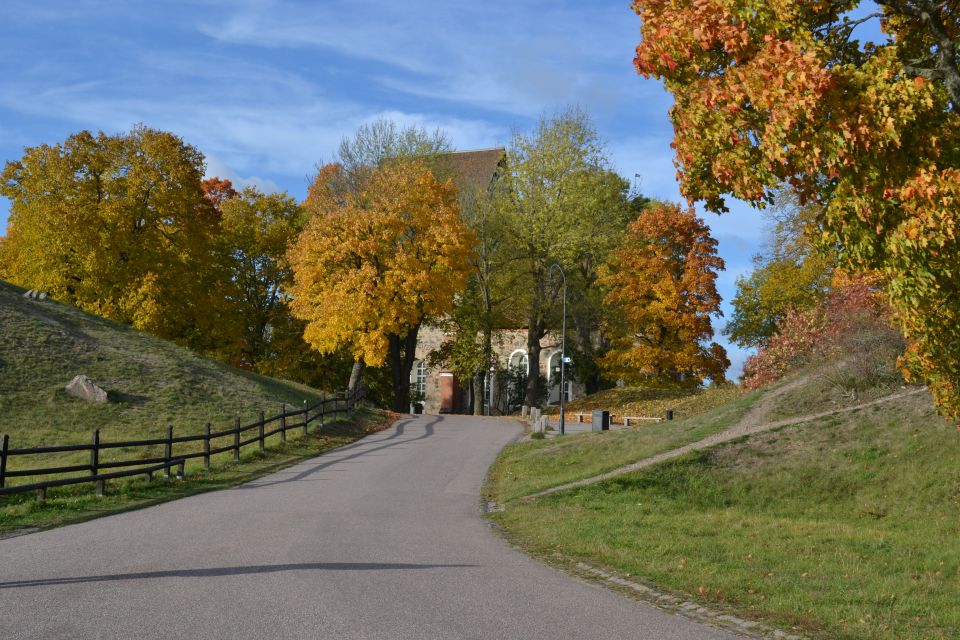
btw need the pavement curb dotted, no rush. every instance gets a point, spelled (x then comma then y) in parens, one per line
(691, 610)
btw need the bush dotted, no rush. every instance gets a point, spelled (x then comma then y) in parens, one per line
(850, 329)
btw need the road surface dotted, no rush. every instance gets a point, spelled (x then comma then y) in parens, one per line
(382, 539)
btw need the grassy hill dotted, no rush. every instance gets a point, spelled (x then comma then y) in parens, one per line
(843, 527)
(526, 467)
(654, 403)
(151, 382)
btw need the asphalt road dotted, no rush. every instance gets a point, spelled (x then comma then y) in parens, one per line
(380, 539)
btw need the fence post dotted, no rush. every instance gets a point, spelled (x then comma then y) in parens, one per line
(95, 457)
(260, 430)
(283, 423)
(236, 439)
(206, 446)
(323, 407)
(168, 451)
(306, 417)
(4, 447)
(101, 488)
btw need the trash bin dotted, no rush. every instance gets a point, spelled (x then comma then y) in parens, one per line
(669, 414)
(600, 420)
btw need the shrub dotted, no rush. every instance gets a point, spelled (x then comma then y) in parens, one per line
(851, 328)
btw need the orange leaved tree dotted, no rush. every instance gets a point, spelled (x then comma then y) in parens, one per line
(372, 266)
(782, 91)
(661, 293)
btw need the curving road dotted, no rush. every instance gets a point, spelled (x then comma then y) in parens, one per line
(380, 539)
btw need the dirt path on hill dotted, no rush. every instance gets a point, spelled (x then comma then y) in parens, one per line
(755, 420)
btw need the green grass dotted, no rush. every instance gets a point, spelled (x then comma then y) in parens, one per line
(152, 383)
(527, 467)
(818, 394)
(842, 528)
(76, 503)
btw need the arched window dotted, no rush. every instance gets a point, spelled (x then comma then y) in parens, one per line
(553, 368)
(519, 360)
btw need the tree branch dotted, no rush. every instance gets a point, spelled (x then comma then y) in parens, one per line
(946, 68)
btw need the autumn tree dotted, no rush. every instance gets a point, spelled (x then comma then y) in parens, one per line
(565, 206)
(255, 231)
(358, 158)
(782, 91)
(117, 225)
(791, 272)
(218, 190)
(846, 335)
(369, 270)
(661, 287)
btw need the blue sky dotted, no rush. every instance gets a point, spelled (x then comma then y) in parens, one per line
(266, 88)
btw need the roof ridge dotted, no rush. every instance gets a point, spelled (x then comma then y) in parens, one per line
(475, 150)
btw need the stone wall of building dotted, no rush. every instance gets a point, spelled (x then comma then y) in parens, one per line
(509, 346)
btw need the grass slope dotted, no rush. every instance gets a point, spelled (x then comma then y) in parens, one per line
(653, 403)
(842, 528)
(526, 467)
(151, 382)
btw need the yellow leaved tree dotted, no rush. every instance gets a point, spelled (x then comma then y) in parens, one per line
(372, 265)
(117, 225)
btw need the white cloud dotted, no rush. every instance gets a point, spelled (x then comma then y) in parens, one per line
(286, 133)
(519, 57)
(217, 168)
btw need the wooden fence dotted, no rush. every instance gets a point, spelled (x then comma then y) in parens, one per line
(342, 403)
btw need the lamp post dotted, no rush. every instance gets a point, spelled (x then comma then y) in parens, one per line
(563, 351)
(490, 389)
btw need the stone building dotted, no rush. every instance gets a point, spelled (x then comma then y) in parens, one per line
(442, 392)
(439, 390)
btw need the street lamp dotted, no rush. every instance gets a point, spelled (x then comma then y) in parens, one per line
(490, 390)
(563, 351)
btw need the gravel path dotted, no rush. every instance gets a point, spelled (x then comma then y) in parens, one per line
(754, 421)
(382, 539)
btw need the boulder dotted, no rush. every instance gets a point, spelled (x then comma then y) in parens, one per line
(84, 388)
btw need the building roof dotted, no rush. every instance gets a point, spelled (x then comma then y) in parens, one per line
(473, 169)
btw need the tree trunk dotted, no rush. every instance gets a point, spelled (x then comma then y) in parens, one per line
(356, 375)
(589, 369)
(477, 396)
(478, 380)
(531, 396)
(402, 353)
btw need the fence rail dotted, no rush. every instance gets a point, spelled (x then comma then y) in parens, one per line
(339, 403)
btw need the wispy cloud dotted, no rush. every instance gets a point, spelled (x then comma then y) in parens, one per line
(515, 57)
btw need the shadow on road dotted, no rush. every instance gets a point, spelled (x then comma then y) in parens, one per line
(398, 431)
(214, 572)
